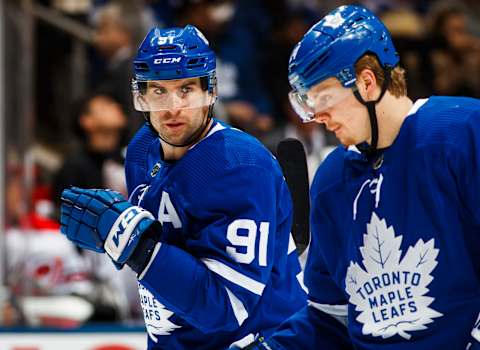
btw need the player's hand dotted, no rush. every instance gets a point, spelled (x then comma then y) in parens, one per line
(103, 221)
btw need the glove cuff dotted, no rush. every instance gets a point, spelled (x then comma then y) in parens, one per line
(142, 253)
(122, 234)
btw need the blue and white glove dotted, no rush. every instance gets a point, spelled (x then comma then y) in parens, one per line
(103, 221)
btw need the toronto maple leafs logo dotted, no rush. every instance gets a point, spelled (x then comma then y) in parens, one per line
(155, 314)
(389, 292)
(334, 21)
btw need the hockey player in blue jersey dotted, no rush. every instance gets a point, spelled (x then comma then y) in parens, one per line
(395, 220)
(207, 223)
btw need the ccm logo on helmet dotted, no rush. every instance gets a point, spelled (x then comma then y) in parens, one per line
(167, 60)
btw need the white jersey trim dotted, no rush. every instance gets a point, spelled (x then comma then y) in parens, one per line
(416, 106)
(234, 276)
(291, 244)
(133, 192)
(300, 279)
(334, 310)
(238, 308)
(217, 127)
(244, 342)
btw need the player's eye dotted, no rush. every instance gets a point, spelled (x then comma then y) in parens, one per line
(185, 90)
(159, 91)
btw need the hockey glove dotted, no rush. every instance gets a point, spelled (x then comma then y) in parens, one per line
(103, 221)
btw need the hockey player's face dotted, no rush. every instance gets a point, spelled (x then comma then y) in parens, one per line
(348, 119)
(177, 124)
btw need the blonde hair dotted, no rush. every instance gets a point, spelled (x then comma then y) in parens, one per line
(398, 83)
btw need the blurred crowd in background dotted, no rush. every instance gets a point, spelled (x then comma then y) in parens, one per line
(79, 116)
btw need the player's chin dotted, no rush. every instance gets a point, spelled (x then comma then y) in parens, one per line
(347, 142)
(176, 139)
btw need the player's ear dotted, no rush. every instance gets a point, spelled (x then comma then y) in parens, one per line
(367, 85)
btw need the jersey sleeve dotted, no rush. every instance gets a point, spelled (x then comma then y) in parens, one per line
(323, 292)
(216, 282)
(309, 329)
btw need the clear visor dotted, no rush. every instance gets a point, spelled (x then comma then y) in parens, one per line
(316, 101)
(163, 95)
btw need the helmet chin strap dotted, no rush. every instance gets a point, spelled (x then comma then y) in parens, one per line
(195, 137)
(372, 114)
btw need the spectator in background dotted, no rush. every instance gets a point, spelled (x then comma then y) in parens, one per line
(100, 122)
(119, 28)
(454, 50)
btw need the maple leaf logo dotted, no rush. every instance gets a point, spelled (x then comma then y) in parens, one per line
(390, 293)
(155, 314)
(334, 21)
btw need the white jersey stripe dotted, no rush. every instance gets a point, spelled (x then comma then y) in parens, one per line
(337, 310)
(300, 278)
(291, 244)
(238, 308)
(234, 276)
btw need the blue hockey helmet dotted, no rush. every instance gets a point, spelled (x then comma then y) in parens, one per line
(172, 54)
(331, 48)
(333, 45)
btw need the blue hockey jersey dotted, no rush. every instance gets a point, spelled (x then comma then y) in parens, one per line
(226, 268)
(396, 240)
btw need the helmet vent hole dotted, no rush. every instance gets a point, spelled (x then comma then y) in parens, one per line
(193, 47)
(142, 67)
(167, 48)
(198, 62)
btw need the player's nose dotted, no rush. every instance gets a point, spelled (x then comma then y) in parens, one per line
(322, 118)
(172, 113)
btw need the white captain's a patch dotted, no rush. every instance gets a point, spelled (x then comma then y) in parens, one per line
(167, 212)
